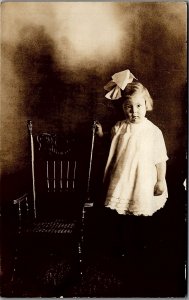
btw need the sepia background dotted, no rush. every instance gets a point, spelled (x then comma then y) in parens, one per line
(56, 58)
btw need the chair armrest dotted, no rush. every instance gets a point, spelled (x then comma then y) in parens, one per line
(22, 204)
(21, 199)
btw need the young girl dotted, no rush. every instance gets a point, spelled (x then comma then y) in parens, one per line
(134, 177)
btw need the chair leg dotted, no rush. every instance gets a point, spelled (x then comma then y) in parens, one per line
(80, 257)
(15, 277)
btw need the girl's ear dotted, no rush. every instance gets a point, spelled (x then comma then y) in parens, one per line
(149, 104)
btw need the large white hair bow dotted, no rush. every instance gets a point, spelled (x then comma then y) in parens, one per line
(119, 82)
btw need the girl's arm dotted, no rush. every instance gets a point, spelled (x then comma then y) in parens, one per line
(160, 184)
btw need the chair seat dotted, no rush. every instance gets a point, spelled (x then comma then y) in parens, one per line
(57, 226)
(50, 237)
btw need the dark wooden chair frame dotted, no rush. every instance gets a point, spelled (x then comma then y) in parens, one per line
(23, 203)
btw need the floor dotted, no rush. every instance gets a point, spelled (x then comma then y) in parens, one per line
(152, 270)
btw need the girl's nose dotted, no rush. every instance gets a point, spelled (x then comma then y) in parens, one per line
(135, 109)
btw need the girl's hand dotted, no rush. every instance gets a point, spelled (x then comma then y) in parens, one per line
(159, 188)
(99, 130)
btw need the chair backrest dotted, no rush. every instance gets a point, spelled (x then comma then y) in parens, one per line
(57, 161)
(57, 175)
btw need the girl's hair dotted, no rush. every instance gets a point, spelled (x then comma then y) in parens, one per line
(134, 88)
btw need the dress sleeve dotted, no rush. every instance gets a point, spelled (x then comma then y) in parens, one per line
(160, 152)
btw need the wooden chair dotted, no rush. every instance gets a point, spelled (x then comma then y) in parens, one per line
(51, 218)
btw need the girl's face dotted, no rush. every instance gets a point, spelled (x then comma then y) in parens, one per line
(135, 108)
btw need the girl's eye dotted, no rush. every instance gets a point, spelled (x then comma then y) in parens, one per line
(139, 105)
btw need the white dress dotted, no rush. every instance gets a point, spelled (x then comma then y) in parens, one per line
(130, 172)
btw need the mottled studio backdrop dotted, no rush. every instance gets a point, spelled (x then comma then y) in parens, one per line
(56, 58)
